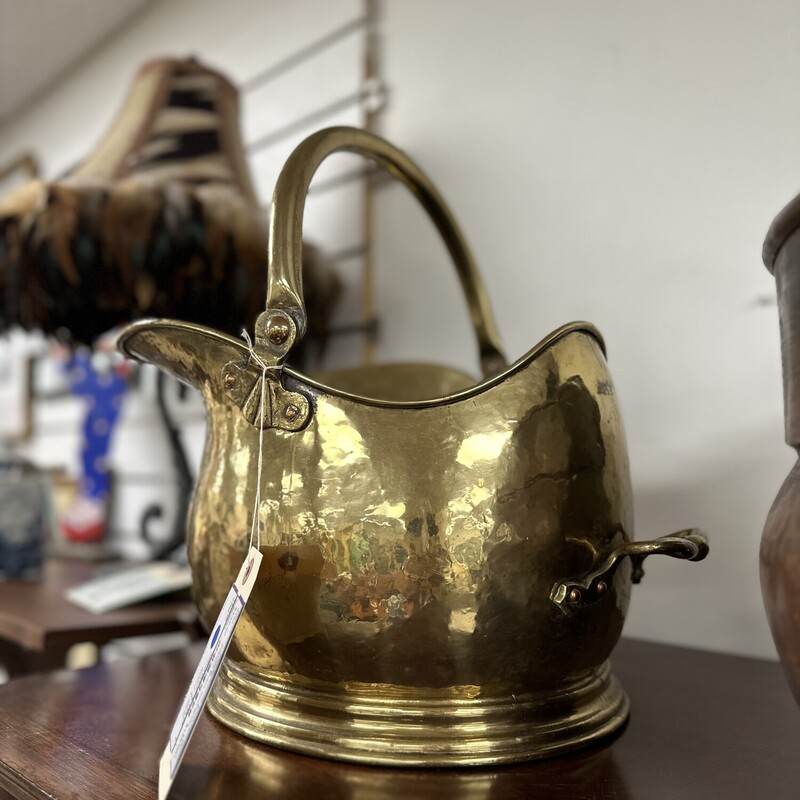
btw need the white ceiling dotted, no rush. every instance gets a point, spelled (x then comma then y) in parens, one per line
(41, 39)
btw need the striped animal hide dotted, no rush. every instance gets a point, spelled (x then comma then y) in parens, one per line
(160, 220)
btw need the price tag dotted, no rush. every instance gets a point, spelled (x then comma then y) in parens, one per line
(195, 699)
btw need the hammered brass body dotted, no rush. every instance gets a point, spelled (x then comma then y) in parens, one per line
(422, 533)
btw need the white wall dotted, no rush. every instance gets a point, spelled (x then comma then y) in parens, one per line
(618, 162)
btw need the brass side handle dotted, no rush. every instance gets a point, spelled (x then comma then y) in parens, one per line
(580, 590)
(285, 289)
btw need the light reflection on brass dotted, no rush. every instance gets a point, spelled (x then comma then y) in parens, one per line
(416, 526)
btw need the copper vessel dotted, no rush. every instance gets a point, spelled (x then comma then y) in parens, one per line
(780, 543)
(447, 561)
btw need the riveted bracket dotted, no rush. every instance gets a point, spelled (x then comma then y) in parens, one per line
(288, 411)
(258, 377)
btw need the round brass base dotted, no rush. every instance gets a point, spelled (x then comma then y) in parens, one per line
(427, 728)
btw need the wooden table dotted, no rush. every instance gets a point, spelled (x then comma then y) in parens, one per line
(38, 625)
(703, 727)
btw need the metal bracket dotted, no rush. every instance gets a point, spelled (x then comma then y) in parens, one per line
(285, 410)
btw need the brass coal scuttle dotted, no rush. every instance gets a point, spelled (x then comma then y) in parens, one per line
(447, 563)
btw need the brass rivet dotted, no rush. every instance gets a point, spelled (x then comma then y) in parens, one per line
(602, 587)
(291, 412)
(574, 596)
(230, 380)
(278, 331)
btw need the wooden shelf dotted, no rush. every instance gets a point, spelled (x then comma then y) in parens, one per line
(703, 726)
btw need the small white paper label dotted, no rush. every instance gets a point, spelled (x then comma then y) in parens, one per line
(195, 698)
(130, 585)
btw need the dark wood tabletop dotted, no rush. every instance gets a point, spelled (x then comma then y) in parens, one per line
(703, 726)
(38, 624)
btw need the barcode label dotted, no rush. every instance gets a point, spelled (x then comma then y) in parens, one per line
(200, 687)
